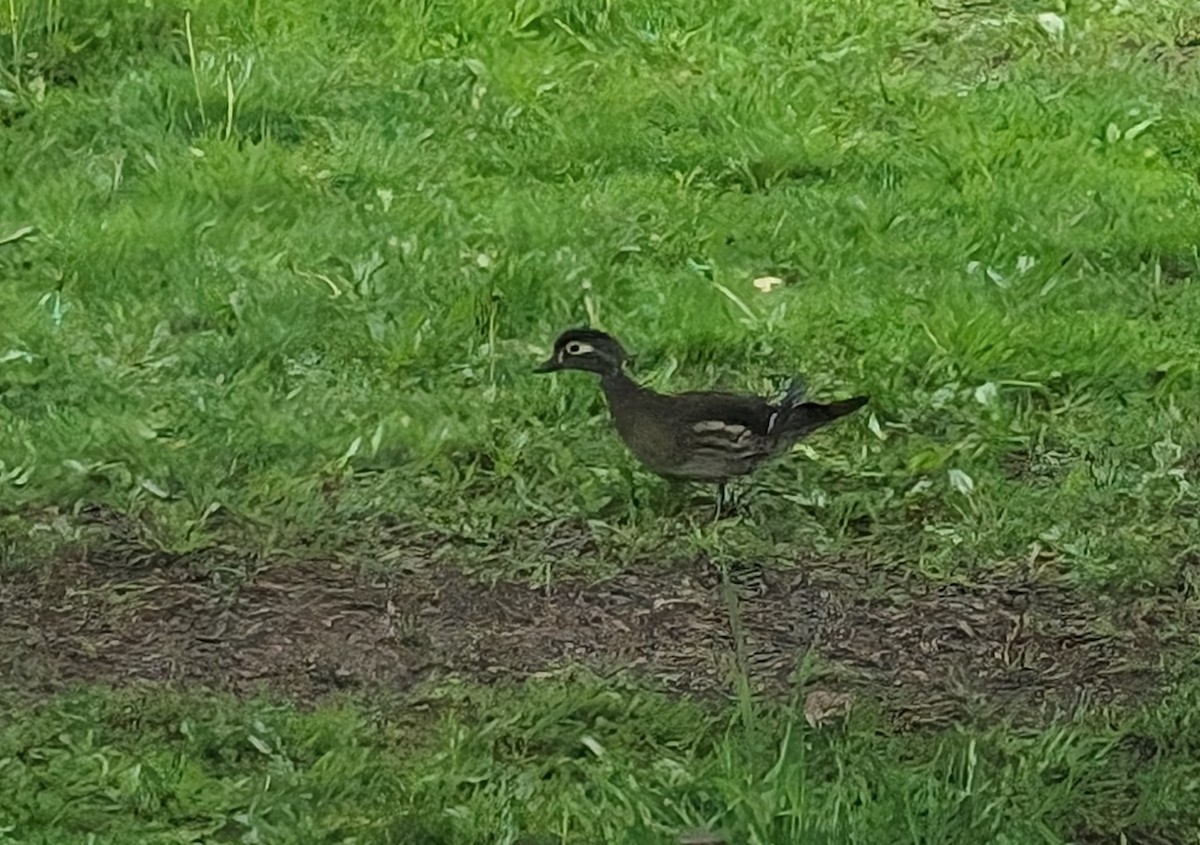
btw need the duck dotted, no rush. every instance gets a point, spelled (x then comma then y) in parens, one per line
(698, 436)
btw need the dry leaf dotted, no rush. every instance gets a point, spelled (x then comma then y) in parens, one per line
(821, 705)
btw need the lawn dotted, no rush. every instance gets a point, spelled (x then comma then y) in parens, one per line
(295, 547)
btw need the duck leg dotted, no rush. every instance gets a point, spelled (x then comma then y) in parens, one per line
(720, 500)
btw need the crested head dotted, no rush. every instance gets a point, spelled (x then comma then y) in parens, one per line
(585, 349)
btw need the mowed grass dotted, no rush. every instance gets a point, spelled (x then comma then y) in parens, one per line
(272, 275)
(292, 273)
(576, 763)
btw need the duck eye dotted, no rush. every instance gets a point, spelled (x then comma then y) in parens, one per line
(574, 348)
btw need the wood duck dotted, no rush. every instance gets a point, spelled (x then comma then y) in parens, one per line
(698, 436)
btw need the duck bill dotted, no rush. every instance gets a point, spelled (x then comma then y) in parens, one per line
(547, 366)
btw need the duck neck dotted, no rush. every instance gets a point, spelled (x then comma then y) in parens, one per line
(619, 387)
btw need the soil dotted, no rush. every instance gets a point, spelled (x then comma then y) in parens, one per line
(929, 653)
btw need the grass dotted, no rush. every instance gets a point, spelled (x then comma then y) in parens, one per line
(273, 274)
(574, 763)
(295, 270)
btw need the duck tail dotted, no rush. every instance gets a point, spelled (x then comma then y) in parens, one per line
(799, 419)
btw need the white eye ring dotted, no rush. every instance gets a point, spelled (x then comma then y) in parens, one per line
(574, 347)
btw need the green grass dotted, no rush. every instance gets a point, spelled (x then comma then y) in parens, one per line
(576, 763)
(272, 275)
(315, 251)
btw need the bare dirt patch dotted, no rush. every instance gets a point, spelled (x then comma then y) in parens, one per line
(306, 629)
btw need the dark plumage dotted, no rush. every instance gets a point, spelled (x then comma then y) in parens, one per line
(699, 436)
